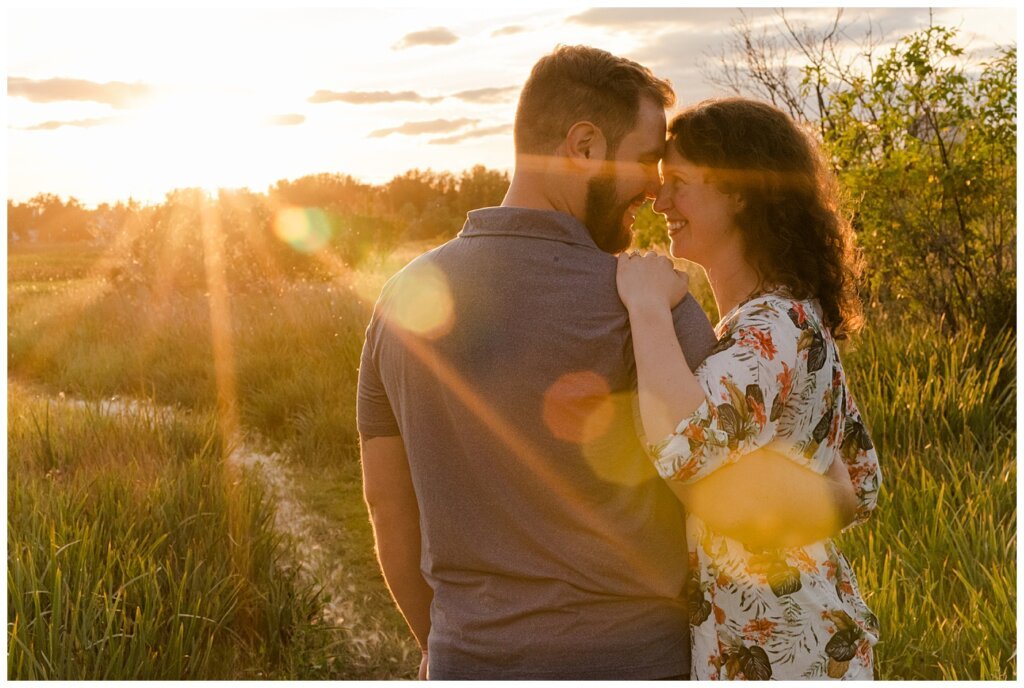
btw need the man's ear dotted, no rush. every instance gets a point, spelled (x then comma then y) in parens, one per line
(585, 141)
(738, 202)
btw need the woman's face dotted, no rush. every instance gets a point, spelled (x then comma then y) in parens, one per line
(701, 219)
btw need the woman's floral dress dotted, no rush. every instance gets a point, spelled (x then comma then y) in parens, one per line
(774, 380)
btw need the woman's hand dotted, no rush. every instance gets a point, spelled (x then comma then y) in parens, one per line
(649, 280)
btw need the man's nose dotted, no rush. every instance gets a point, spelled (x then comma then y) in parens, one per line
(661, 200)
(652, 183)
(652, 187)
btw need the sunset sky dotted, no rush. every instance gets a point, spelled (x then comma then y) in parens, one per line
(107, 104)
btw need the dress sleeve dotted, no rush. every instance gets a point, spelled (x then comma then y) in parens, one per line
(858, 452)
(747, 380)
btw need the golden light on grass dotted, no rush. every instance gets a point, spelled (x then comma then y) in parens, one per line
(305, 229)
(225, 379)
(422, 302)
(57, 315)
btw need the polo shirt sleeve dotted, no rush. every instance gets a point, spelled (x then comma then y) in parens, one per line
(374, 415)
(694, 331)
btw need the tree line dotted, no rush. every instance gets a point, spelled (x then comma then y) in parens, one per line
(419, 204)
(164, 242)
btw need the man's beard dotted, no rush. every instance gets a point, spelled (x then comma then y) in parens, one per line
(604, 216)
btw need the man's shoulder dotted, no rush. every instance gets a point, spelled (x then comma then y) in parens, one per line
(413, 271)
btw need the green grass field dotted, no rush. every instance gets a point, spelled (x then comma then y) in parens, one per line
(136, 551)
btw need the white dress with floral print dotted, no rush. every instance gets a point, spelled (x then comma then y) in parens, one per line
(774, 380)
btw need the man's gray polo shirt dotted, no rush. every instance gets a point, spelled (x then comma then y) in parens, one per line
(504, 361)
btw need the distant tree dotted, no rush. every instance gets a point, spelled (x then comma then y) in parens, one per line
(358, 236)
(480, 188)
(53, 219)
(322, 190)
(107, 221)
(419, 188)
(19, 222)
(424, 200)
(169, 247)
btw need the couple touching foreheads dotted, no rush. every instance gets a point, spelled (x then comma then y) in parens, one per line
(575, 476)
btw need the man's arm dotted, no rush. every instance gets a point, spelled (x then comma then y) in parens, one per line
(394, 513)
(765, 500)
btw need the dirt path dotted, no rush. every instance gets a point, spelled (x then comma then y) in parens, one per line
(292, 518)
(301, 525)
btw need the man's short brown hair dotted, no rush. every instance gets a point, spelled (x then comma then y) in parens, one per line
(579, 83)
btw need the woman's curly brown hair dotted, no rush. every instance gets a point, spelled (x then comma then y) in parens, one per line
(794, 231)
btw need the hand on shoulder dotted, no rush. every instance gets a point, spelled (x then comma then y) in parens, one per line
(649, 280)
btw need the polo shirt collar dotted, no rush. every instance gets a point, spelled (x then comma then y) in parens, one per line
(527, 222)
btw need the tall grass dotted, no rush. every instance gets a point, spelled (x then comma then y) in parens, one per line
(937, 562)
(296, 355)
(134, 552)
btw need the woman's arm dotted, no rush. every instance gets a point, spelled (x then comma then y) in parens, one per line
(741, 490)
(767, 501)
(764, 499)
(667, 389)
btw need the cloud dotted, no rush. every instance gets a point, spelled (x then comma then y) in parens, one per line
(286, 120)
(83, 123)
(677, 52)
(853, 23)
(115, 93)
(369, 97)
(435, 36)
(883, 21)
(691, 58)
(436, 126)
(507, 30)
(473, 134)
(486, 95)
(479, 95)
(642, 17)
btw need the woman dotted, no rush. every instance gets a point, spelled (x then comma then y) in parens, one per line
(747, 195)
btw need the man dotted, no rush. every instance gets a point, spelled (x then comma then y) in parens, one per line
(519, 525)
